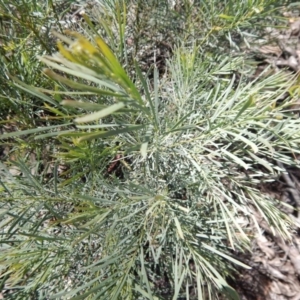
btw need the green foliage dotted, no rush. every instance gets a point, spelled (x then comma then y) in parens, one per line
(162, 175)
(24, 34)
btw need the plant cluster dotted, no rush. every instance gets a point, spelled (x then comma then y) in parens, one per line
(153, 181)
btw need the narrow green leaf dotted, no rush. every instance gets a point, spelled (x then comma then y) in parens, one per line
(100, 126)
(97, 282)
(264, 141)
(179, 273)
(80, 86)
(214, 250)
(52, 134)
(97, 199)
(180, 122)
(223, 102)
(30, 131)
(145, 87)
(63, 37)
(25, 170)
(100, 114)
(106, 134)
(142, 292)
(55, 111)
(236, 159)
(143, 150)
(222, 206)
(43, 238)
(243, 139)
(19, 219)
(156, 99)
(179, 230)
(144, 273)
(232, 218)
(248, 104)
(80, 72)
(82, 105)
(33, 91)
(262, 162)
(89, 22)
(231, 293)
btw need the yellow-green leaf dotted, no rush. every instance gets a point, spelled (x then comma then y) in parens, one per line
(107, 53)
(65, 53)
(226, 17)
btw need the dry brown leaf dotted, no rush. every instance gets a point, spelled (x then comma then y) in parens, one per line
(295, 27)
(15, 171)
(264, 244)
(273, 50)
(284, 289)
(294, 256)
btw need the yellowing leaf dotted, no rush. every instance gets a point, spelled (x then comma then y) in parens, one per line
(82, 44)
(226, 17)
(107, 52)
(54, 110)
(217, 28)
(64, 52)
(118, 72)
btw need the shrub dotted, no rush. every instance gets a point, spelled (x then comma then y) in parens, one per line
(162, 174)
